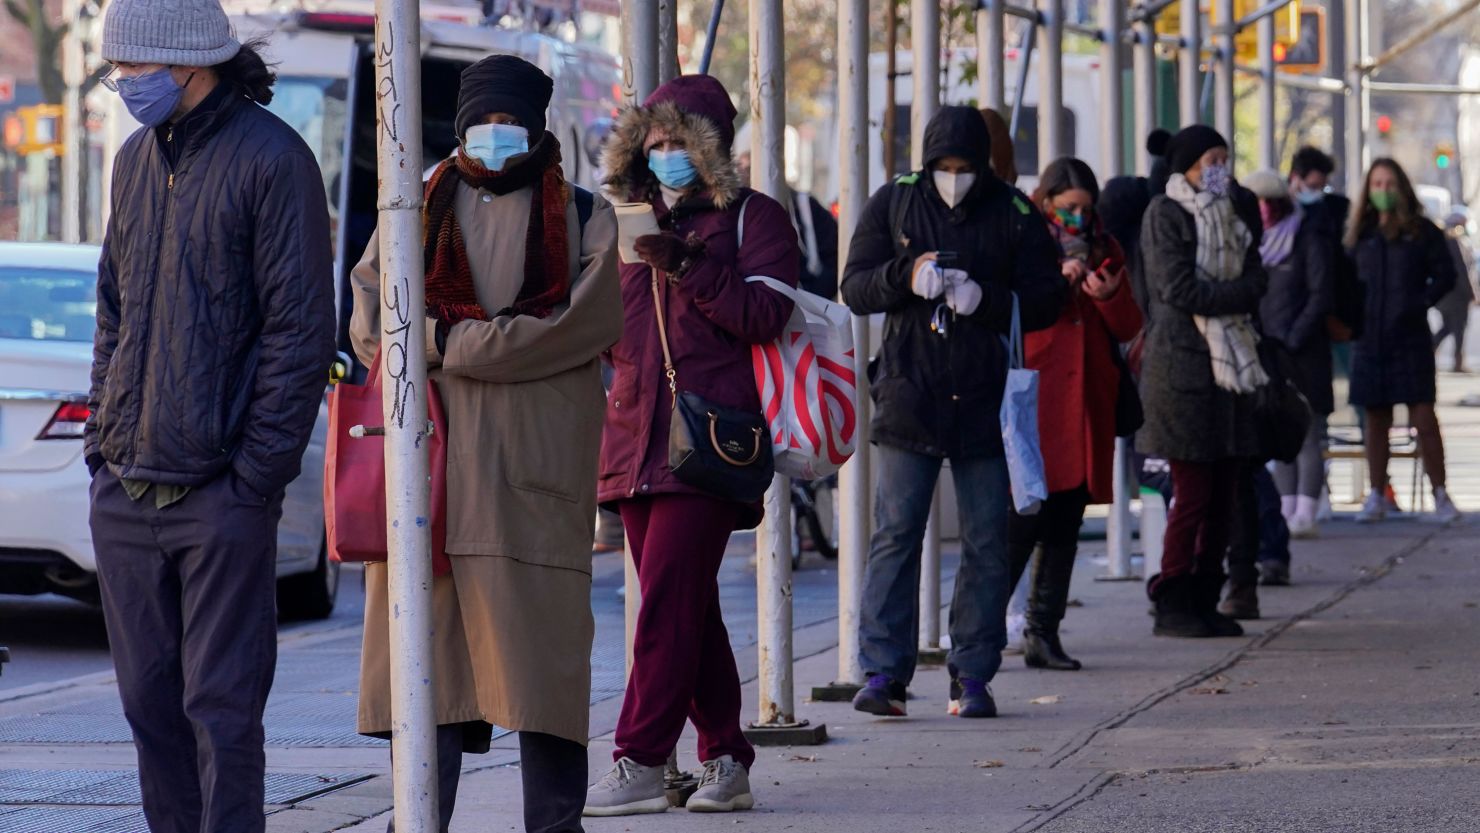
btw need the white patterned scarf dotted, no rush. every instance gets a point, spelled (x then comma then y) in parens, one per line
(1222, 242)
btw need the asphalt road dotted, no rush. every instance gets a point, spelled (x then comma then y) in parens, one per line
(52, 638)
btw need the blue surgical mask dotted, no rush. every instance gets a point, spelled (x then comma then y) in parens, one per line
(495, 144)
(151, 98)
(673, 168)
(1216, 179)
(1308, 196)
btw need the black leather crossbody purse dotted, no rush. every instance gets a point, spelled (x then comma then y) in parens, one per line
(724, 451)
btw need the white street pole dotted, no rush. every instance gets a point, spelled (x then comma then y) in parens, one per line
(404, 376)
(1189, 87)
(1223, 76)
(930, 579)
(1356, 116)
(1112, 79)
(774, 544)
(853, 480)
(1146, 83)
(640, 48)
(991, 55)
(1051, 144)
(1118, 531)
(925, 72)
(73, 132)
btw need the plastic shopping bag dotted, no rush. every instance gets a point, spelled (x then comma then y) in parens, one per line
(1019, 417)
(807, 386)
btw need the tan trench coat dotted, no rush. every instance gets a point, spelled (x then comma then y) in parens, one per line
(524, 408)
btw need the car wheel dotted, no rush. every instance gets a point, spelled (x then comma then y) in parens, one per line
(310, 595)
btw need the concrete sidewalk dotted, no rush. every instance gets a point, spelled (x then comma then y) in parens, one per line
(1354, 705)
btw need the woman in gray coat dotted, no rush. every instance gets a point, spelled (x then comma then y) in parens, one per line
(1204, 281)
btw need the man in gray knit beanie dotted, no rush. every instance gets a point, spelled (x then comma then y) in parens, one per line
(215, 334)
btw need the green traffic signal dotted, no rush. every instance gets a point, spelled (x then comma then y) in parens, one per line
(1442, 160)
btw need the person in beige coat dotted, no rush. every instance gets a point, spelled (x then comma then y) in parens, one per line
(515, 353)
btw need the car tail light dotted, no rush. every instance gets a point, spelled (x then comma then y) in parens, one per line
(67, 423)
(337, 22)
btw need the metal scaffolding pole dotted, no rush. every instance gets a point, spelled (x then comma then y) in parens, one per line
(774, 543)
(667, 40)
(404, 377)
(1268, 152)
(1145, 65)
(1223, 77)
(1112, 88)
(992, 54)
(640, 48)
(1189, 94)
(1051, 143)
(853, 480)
(1356, 119)
(73, 132)
(1364, 85)
(1336, 66)
(925, 73)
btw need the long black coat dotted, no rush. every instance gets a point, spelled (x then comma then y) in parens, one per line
(1393, 361)
(215, 305)
(933, 394)
(1294, 310)
(1188, 417)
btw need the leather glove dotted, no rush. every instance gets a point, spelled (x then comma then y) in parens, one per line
(667, 252)
(963, 295)
(927, 282)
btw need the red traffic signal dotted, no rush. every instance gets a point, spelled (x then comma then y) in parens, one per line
(1384, 125)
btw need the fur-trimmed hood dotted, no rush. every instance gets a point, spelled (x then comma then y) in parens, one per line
(695, 109)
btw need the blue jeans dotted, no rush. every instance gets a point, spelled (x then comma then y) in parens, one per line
(889, 630)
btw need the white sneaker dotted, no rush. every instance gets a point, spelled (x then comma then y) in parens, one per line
(629, 789)
(1016, 624)
(724, 788)
(1374, 509)
(1445, 512)
(1303, 520)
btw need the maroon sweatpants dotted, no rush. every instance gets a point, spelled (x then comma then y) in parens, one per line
(1201, 518)
(682, 663)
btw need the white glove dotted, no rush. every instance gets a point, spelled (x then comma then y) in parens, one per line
(963, 295)
(928, 282)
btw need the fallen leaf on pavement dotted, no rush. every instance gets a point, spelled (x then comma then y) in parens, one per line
(806, 759)
(989, 764)
(1047, 700)
(1209, 690)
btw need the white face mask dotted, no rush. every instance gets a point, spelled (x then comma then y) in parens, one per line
(953, 188)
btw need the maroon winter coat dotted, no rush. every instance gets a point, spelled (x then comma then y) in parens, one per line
(713, 315)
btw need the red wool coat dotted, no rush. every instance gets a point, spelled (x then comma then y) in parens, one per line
(1078, 380)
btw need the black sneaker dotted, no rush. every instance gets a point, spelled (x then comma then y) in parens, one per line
(1274, 574)
(881, 696)
(971, 698)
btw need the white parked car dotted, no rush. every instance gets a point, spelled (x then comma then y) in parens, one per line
(47, 317)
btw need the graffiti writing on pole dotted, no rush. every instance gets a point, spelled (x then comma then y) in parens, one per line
(396, 287)
(386, 94)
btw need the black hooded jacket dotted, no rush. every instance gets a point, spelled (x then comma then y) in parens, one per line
(215, 304)
(940, 393)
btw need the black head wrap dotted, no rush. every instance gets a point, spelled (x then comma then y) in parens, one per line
(504, 84)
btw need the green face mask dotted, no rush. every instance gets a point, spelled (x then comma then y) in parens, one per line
(1383, 200)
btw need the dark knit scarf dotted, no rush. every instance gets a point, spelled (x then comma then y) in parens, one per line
(451, 296)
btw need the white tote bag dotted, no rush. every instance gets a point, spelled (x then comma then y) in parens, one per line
(807, 386)
(1020, 426)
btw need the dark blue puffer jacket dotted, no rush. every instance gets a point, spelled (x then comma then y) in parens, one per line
(215, 305)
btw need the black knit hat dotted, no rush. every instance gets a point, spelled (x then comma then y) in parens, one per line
(504, 84)
(1190, 144)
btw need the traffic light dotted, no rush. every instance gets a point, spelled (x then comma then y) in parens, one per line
(1443, 156)
(1306, 52)
(1384, 126)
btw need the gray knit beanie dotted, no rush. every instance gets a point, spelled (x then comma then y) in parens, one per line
(190, 33)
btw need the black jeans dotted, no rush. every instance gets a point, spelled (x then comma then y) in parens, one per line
(553, 770)
(189, 597)
(1260, 532)
(1056, 527)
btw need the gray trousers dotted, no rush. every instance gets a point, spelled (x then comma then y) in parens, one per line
(189, 597)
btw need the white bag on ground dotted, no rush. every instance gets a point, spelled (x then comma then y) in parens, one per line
(807, 386)
(1020, 426)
